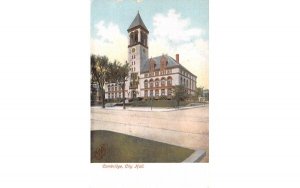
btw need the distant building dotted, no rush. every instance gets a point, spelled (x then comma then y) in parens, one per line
(150, 77)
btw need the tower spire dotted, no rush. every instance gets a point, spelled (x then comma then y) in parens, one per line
(137, 22)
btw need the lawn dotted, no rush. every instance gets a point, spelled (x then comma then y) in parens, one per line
(107, 146)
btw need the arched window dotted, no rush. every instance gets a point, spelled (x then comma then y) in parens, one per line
(156, 93)
(156, 82)
(169, 82)
(151, 83)
(146, 93)
(163, 82)
(146, 84)
(151, 93)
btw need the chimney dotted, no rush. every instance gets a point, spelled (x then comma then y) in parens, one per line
(177, 58)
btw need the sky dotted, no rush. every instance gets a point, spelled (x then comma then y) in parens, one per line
(175, 26)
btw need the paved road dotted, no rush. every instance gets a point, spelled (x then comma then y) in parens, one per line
(186, 127)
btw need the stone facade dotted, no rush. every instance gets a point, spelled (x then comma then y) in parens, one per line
(155, 76)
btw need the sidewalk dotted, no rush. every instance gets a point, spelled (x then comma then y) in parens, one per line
(146, 109)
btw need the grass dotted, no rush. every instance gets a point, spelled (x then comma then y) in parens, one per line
(107, 146)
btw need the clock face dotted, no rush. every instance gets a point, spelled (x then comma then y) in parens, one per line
(133, 50)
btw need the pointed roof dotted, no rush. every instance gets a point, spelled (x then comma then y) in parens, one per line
(137, 22)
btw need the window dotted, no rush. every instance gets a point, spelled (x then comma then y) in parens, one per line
(156, 93)
(146, 84)
(163, 92)
(169, 92)
(146, 75)
(108, 87)
(151, 83)
(156, 82)
(163, 82)
(151, 93)
(119, 94)
(169, 83)
(146, 93)
(156, 73)
(108, 95)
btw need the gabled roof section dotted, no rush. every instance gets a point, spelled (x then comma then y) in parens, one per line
(145, 66)
(137, 22)
(171, 63)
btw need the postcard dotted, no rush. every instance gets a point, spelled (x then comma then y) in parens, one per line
(149, 82)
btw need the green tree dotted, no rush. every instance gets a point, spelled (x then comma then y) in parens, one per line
(119, 73)
(179, 94)
(99, 66)
(199, 92)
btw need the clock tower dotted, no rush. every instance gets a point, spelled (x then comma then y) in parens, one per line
(137, 51)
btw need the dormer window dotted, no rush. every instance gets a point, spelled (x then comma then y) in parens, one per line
(163, 63)
(152, 65)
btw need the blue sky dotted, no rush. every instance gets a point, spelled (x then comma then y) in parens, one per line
(178, 26)
(123, 12)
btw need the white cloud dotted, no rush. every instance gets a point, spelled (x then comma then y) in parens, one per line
(174, 34)
(174, 28)
(110, 42)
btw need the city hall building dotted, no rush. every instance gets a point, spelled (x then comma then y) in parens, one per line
(150, 77)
